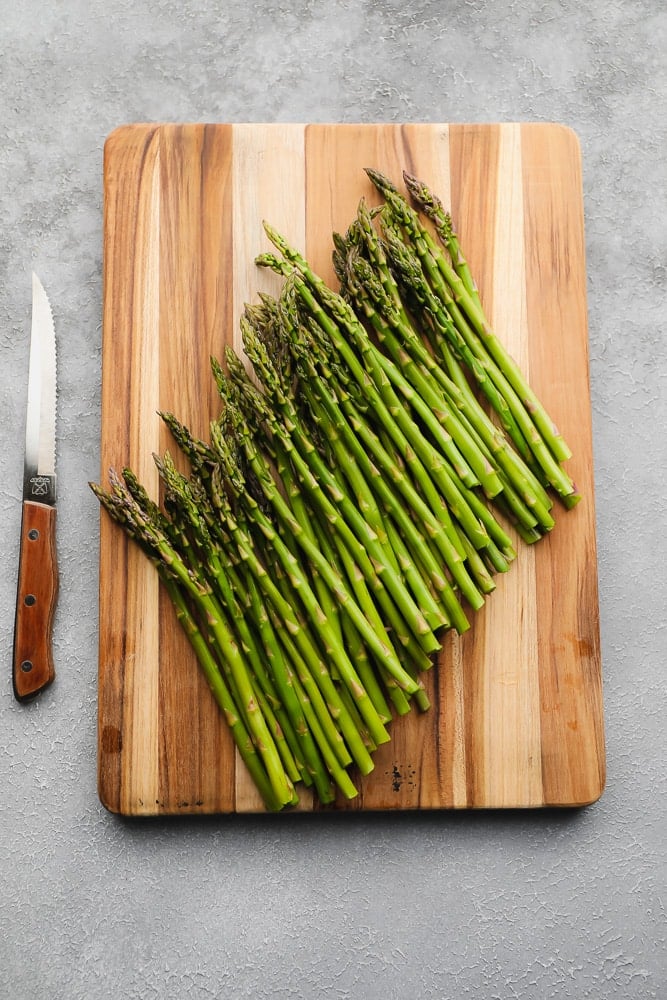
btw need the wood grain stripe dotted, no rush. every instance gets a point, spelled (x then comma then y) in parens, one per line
(474, 169)
(214, 784)
(336, 157)
(269, 167)
(512, 706)
(195, 256)
(125, 154)
(566, 594)
(139, 779)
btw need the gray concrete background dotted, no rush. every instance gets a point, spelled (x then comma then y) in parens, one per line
(502, 906)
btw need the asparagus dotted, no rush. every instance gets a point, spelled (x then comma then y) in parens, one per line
(327, 635)
(542, 435)
(445, 334)
(325, 412)
(348, 606)
(472, 305)
(307, 647)
(362, 442)
(470, 466)
(154, 540)
(325, 488)
(298, 697)
(318, 536)
(321, 721)
(223, 697)
(381, 301)
(273, 690)
(396, 420)
(320, 408)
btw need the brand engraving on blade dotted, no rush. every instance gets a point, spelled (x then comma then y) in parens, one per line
(40, 486)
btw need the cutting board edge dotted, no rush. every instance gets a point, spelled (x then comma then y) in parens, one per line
(120, 131)
(517, 807)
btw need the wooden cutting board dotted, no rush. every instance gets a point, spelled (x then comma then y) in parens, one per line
(517, 717)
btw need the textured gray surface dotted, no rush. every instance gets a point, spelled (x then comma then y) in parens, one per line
(494, 906)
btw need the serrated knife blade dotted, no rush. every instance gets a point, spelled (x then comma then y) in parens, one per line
(37, 588)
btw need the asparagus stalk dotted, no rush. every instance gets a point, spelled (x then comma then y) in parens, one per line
(223, 697)
(274, 689)
(312, 705)
(336, 424)
(432, 408)
(349, 456)
(294, 572)
(348, 606)
(527, 499)
(326, 713)
(450, 327)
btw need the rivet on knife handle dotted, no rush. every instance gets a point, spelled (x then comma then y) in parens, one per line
(35, 601)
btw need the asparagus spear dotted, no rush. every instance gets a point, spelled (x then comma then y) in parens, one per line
(373, 287)
(432, 206)
(274, 690)
(346, 453)
(307, 596)
(220, 692)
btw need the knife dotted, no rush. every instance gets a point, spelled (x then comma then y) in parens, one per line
(38, 566)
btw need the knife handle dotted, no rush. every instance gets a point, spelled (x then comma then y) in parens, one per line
(35, 601)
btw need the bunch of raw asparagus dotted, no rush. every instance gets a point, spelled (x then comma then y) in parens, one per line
(353, 501)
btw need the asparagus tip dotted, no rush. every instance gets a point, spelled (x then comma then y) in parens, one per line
(382, 183)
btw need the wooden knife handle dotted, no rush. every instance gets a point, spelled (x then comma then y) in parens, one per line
(35, 601)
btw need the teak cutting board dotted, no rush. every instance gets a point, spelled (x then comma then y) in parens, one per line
(517, 716)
